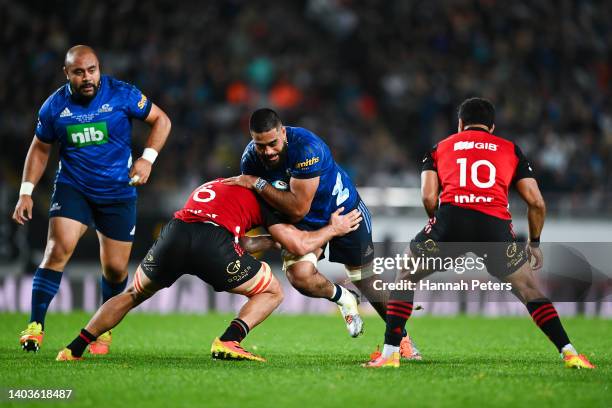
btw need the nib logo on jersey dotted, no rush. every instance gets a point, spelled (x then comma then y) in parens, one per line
(87, 134)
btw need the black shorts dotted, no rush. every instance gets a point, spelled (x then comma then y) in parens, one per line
(455, 231)
(201, 249)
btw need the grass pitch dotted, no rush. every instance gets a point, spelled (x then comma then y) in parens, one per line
(163, 361)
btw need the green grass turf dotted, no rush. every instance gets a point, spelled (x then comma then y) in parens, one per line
(163, 361)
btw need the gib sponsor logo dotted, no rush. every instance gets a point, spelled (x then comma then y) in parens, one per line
(475, 145)
(87, 134)
(470, 199)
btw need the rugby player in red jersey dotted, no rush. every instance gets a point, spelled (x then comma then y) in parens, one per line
(464, 184)
(207, 239)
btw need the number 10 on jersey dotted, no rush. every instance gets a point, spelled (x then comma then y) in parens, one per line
(474, 173)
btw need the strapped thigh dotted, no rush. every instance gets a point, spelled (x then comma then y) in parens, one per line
(139, 287)
(261, 281)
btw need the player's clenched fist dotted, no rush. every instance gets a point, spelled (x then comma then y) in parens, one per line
(23, 209)
(140, 171)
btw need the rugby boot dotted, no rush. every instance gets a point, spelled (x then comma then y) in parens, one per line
(378, 361)
(66, 355)
(408, 349)
(573, 360)
(231, 350)
(32, 337)
(350, 312)
(102, 344)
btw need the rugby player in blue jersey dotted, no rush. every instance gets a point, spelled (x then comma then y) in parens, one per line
(90, 117)
(310, 186)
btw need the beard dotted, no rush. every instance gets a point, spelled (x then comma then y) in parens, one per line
(276, 164)
(79, 96)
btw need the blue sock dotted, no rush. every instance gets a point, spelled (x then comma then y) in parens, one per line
(44, 287)
(110, 289)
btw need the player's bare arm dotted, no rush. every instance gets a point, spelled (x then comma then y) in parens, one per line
(300, 242)
(34, 167)
(160, 129)
(258, 243)
(430, 189)
(536, 212)
(294, 203)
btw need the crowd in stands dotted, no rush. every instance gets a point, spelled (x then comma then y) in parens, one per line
(380, 81)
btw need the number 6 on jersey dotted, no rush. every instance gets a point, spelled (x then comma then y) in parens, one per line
(205, 188)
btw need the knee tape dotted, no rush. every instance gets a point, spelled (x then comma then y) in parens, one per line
(290, 259)
(359, 273)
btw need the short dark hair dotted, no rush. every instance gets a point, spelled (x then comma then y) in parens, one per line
(264, 120)
(475, 111)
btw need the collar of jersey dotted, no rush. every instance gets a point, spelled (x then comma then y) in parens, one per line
(477, 129)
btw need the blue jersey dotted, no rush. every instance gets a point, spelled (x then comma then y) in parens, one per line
(95, 138)
(308, 156)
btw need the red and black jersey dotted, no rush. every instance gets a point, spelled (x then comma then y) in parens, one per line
(235, 208)
(476, 169)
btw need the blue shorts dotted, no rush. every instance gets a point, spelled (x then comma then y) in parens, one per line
(115, 219)
(354, 248)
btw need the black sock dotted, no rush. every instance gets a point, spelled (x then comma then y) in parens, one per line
(398, 312)
(545, 316)
(81, 342)
(337, 293)
(236, 331)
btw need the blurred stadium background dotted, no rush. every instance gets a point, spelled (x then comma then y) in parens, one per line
(378, 80)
